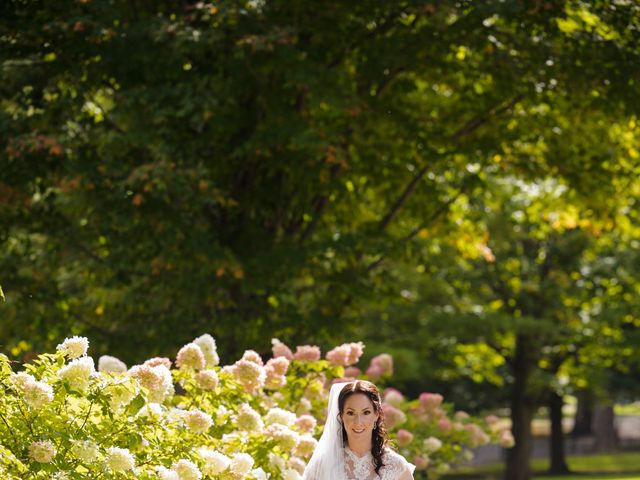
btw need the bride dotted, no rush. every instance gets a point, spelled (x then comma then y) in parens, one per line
(353, 442)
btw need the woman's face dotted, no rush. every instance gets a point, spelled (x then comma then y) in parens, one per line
(358, 417)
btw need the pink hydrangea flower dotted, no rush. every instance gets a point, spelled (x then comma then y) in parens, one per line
(190, 356)
(404, 437)
(339, 356)
(279, 365)
(374, 372)
(491, 419)
(393, 416)
(385, 362)
(421, 462)
(478, 436)
(253, 356)
(393, 397)
(357, 349)
(352, 372)
(249, 374)
(430, 401)
(307, 353)
(506, 439)
(444, 425)
(155, 361)
(306, 423)
(279, 349)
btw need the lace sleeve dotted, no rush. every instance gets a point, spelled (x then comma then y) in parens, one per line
(396, 466)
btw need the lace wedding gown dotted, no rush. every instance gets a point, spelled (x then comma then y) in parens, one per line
(362, 468)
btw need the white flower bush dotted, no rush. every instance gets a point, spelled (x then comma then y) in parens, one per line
(194, 419)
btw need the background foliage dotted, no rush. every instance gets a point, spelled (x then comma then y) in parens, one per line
(454, 181)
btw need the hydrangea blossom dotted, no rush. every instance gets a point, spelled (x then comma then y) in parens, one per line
(279, 349)
(393, 416)
(248, 419)
(393, 397)
(241, 463)
(37, 394)
(42, 451)
(74, 347)
(253, 356)
(120, 459)
(208, 346)
(249, 374)
(214, 462)
(186, 470)
(339, 355)
(85, 451)
(286, 438)
(404, 437)
(166, 474)
(306, 423)
(77, 373)
(191, 356)
(207, 379)
(107, 363)
(306, 445)
(281, 416)
(432, 444)
(198, 421)
(307, 353)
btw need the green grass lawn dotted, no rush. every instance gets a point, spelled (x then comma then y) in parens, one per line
(593, 467)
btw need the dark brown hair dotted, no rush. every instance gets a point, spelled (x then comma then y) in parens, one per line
(379, 434)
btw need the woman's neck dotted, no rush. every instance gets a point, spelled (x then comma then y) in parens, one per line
(360, 448)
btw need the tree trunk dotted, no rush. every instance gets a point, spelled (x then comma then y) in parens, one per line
(521, 411)
(582, 425)
(603, 427)
(557, 460)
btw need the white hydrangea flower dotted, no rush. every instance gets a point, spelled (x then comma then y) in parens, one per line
(107, 363)
(258, 474)
(150, 410)
(215, 462)
(85, 451)
(186, 470)
(190, 356)
(207, 379)
(298, 464)
(241, 463)
(74, 347)
(291, 474)
(42, 451)
(281, 416)
(77, 373)
(20, 379)
(283, 435)
(120, 459)
(166, 474)
(156, 379)
(277, 462)
(198, 421)
(248, 419)
(306, 445)
(37, 394)
(432, 444)
(208, 346)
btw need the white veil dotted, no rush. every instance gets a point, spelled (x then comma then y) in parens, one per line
(327, 461)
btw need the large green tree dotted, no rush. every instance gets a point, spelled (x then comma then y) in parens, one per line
(262, 168)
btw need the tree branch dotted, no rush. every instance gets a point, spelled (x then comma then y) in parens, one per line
(471, 126)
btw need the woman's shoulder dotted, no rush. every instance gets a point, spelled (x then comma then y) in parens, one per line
(394, 459)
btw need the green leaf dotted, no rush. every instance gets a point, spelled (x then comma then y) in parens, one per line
(135, 405)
